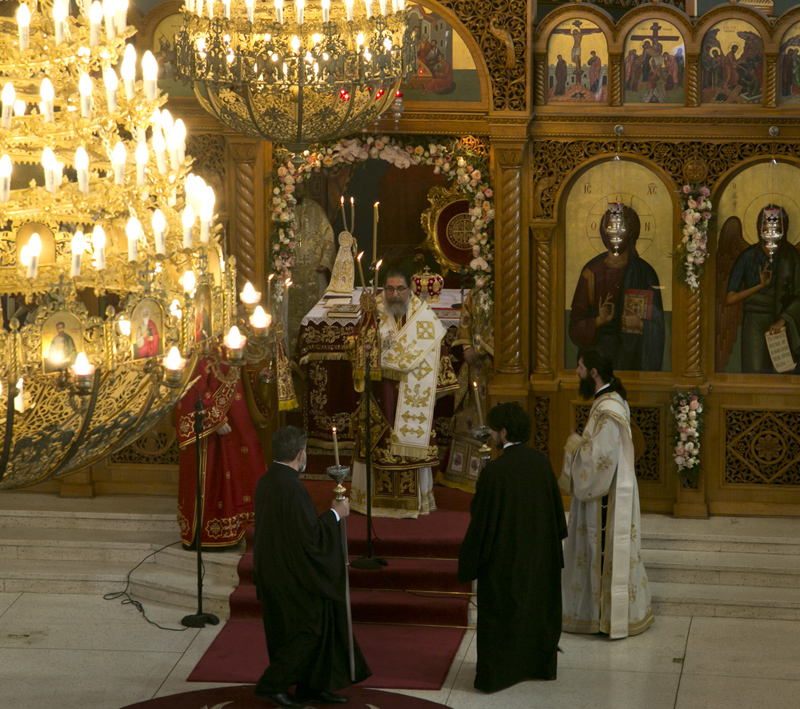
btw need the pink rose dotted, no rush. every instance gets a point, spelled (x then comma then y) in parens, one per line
(687, 189)
(488, 192)
(705, 192)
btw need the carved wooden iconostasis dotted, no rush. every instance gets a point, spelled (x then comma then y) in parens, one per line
(699, 114)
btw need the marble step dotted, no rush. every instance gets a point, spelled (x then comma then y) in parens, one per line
(756, 535)
(714, 601)
(722, 568)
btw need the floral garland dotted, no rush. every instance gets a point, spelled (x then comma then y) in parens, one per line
(688, 423)
(693, 249)
(468, 170)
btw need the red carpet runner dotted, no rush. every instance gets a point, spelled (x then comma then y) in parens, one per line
(410, 616)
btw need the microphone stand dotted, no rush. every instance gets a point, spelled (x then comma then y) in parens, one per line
(199, 619)
(369, 561)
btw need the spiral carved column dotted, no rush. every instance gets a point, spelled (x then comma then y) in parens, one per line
(615, 83)
(771, 83)
(542, 238)
(248, 212)
(693, 336)
(692, 84)
(540, 79)
(509, 262)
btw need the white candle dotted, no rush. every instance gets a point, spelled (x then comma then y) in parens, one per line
(111, 82)
(189, 282)
(173, 143)
(82, 168)
(349, 6)
(279, 10)
(335, 446)
(206, 212)
(142, 156)
(159, 147)
(260, 319)
(478, 403)
(326, 10)
(249, 5)
(119, 158)
(133, 230)
(109, 7)
(368, 4)
(95, 18)
(59, 17)
(299, 7)
(7, 97)
(227, 6)
(99, 243)
(129, 71)
(46, 106)
(58, 173)
(85, 89)
(121, 15)
(150, 72)
(78, 245)
(180, 129)
(234, 339)
(159, 224)
(24, 22)
(383, 7)
(5, 178)
(19, 403)
(34, 250)
(19, 108)
(187, 219)
(210, 9)
(48, 161)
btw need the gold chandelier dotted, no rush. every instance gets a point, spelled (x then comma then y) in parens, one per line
(309, 72)
(97, 201)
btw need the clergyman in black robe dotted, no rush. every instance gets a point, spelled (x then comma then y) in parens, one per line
(299, 573)
(513, 547)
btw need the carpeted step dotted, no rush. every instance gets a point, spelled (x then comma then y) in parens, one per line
(412, 574)
(400, 607)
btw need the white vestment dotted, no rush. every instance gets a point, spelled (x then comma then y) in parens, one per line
(604, 589)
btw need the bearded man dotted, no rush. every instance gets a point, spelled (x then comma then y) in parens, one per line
(604, 583)
(414, 373)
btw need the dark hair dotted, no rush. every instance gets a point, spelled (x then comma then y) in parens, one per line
(512, 417)
(784, 220)
(60, 322)
(598, 360)
(397, 272)
(287, 442)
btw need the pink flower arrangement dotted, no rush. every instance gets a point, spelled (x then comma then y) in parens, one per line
(692, 251)
(688, 413)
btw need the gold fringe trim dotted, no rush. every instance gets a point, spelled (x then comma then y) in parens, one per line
(288, 405)
(464, 487)
(395, 503)
(414, 452)
(392, 374)
(324, 356)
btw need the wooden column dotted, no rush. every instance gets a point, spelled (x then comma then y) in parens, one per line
(511, 270)
(615, 80)
(249, 218)
(543, 305)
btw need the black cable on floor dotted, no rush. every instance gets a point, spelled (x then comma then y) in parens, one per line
(127, 600)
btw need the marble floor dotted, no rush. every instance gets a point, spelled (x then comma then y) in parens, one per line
(80, 651)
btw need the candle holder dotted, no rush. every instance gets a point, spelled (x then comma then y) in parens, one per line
(338, 473)
(482, 434)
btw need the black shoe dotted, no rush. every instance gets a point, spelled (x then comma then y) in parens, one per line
(282, 699)
(306, 694)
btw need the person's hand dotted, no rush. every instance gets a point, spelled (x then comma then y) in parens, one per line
(341, 507)
(472, 357)
(632, 322)
(765, 276)
(224, 429)
(321, 269)
(778, 326)
(606, 311)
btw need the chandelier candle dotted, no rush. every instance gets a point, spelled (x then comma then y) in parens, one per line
(111, 82)
(7, 97)
(5, 178)
(99, 244)
(78, 246)
(187, 219)
(59, 17)
(85, 89)
(46, 106)
(119, 157)
(133, 231)
(128, 71)
(142, 155)
(48, 159)
(34, 250)
(24, 25)
(121, 15)
(82, 168)
(95, 18)
(150, 73)
(109, 7)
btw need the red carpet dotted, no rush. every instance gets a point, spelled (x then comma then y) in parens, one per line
(243, 698)
(402, 611)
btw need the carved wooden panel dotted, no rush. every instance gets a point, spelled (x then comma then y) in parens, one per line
(500, 28)
(207, 151)
(159, 446)
(541, 424)
(647, 429)
(762, 447)
(553, 160)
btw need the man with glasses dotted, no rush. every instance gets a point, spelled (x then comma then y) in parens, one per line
(413, 375)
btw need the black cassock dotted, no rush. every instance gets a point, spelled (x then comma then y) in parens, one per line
(513, 547)
(299, 572)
